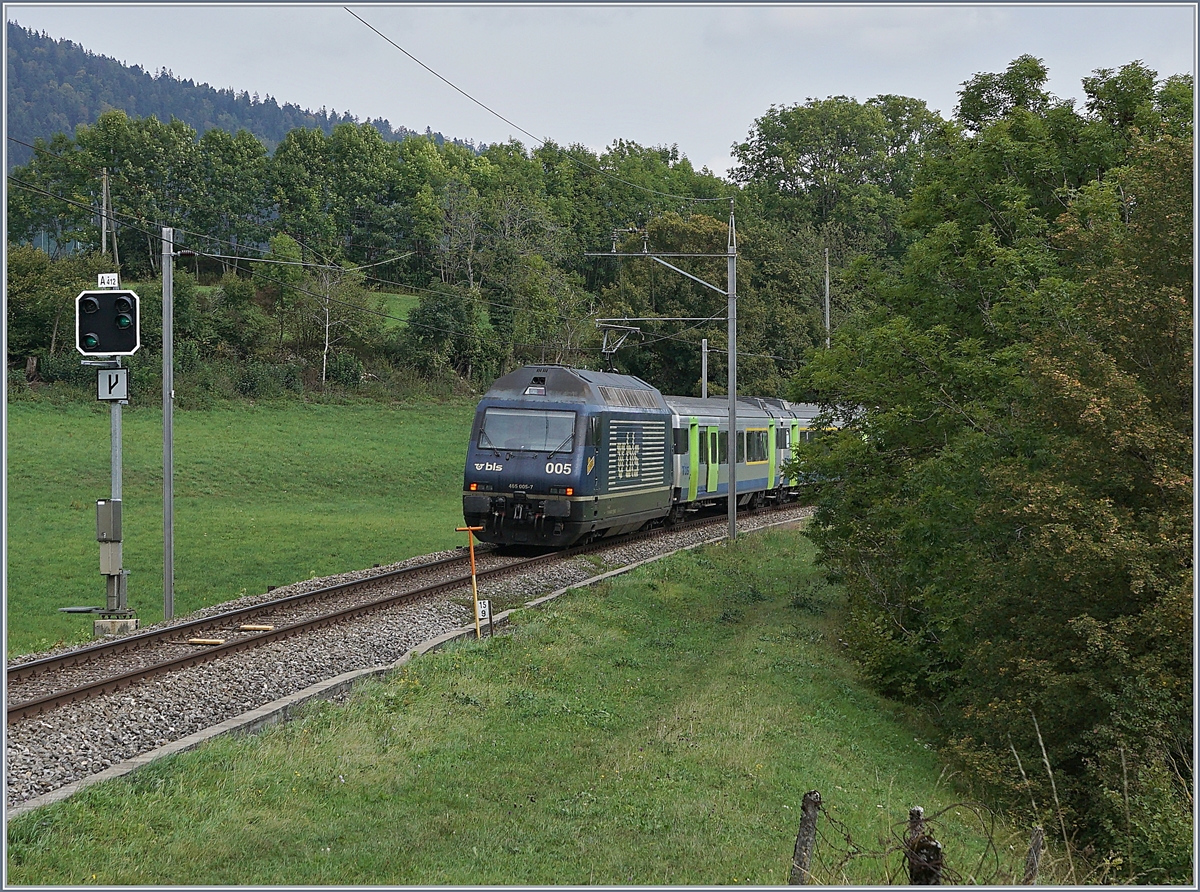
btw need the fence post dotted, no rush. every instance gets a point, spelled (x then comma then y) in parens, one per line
(805, 838)
(916, 824)
(1034, 857)
(923, 852)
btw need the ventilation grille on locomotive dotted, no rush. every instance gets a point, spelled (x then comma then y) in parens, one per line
(637, 452)
(629, 398)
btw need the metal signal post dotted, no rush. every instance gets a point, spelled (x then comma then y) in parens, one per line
(168, 398)
(107, 327)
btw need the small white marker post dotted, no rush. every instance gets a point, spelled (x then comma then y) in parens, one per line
(470, 531)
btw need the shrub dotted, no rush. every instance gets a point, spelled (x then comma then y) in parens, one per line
(345, 370)
(264, 379)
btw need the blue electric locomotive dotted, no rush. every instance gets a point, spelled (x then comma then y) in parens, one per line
(558, 455)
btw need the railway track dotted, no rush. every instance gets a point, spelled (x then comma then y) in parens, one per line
(40, 685)
(81, 674)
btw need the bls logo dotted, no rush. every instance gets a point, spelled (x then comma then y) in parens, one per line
(629, 463)
(489, 466)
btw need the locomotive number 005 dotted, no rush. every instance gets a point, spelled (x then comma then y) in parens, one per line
(558, 468)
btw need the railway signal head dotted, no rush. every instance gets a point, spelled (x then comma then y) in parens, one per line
(107, 323)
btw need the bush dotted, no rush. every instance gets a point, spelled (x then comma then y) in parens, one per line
(65, 369)
(18, 387)
(264, 379)
(345, 370)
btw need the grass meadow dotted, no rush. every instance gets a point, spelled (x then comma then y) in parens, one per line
(265, 494)
(397, 306)
(660, 728)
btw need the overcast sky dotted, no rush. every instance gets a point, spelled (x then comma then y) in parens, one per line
(695, 76)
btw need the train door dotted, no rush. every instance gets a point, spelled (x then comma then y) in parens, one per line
(772, 455)
(710, 484)
(694, 441)
(792, 441)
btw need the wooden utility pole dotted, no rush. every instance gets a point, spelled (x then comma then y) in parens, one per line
(104, 212)
(108, 220)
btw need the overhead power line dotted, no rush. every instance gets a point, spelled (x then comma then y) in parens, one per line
(300, 290)
(143, 229)
(255, 274)
(540, 140)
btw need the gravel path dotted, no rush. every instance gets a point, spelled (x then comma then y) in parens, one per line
(46, 752)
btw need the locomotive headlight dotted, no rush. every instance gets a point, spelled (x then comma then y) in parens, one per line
(473, 487)
(570, 490)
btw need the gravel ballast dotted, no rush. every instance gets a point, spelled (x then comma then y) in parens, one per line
(62, 749)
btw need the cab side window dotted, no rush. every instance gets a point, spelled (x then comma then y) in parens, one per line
(681, 441)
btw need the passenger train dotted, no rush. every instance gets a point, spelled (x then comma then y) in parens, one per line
(559, 455)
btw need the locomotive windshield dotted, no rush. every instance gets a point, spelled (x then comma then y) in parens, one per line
(527, 430)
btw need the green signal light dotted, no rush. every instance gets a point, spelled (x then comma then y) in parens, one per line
(124, 322)
(91, 341)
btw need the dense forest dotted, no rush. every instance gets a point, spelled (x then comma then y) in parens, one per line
(1005, 489)
(56, 85)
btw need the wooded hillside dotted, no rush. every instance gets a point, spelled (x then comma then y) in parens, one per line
(56, 85)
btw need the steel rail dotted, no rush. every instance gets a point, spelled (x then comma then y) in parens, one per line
(34, 706)
(140, 640)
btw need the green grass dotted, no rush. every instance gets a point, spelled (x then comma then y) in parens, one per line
(264, 495)
(397, 306)
(658, 729)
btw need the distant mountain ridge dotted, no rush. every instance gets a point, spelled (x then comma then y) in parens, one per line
(55, 85)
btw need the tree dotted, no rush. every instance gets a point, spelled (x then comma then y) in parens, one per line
(444, 334)
(363, 172)
(153, 177)
(340, 307)
(41, 299)
(836, 160)
(1008, 498)
(234, 173)
(301, 188)
(281, 276)
(988, 98)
